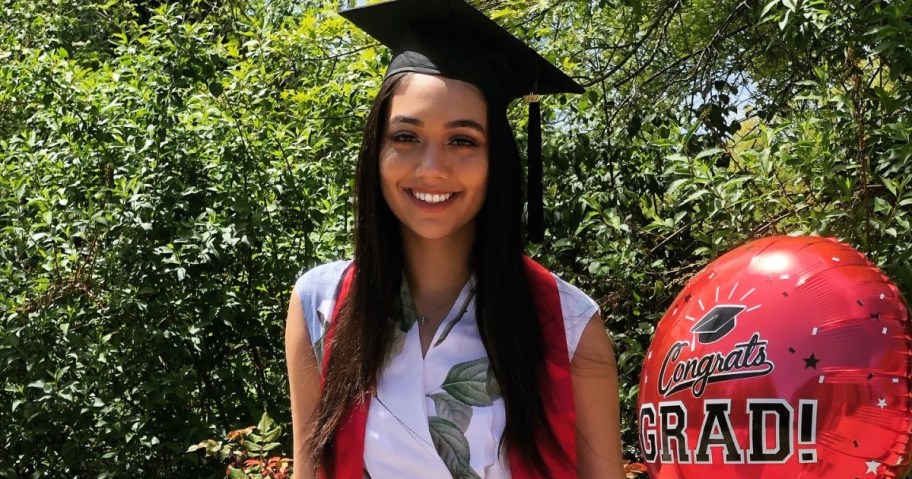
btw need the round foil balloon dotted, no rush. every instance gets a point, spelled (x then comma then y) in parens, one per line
(788, 357)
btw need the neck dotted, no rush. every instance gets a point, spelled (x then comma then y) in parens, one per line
(437, 269)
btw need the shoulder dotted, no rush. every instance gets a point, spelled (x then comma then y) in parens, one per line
(574, 302)
(316, 289)
(577, 309)
(318, 279)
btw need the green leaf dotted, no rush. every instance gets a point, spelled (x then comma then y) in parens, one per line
(459, 315)
(708, 152)
(452, 447)
(266, 423)
(783, 22)
(769, 6)
(468, 383)
(235, 473)
(492, 386)
(694, 196)
(215, 88)
(452, 410)
(272, 434)
(676, 184)
(270, 446)
(890, 185)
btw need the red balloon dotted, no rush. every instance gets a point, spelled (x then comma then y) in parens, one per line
(788, 357)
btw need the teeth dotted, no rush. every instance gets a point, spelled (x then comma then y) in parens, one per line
(429, 198)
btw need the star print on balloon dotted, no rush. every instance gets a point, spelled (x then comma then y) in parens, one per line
(811, 362)
(872, 467)
(786, 357)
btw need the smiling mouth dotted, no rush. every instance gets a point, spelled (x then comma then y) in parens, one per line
(431, 198)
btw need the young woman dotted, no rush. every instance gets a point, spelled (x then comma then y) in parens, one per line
(440, 350)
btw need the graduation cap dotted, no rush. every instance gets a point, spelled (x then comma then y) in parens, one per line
(718, 322)
(452, 39)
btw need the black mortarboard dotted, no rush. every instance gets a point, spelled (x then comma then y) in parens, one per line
(453, 39)
(715, 324)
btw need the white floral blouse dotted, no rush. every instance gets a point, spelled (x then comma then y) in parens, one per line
(441, 415)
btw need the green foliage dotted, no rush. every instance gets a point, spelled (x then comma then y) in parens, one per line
(247, 452)
(167, 169)
(163, 186)
(708, 124)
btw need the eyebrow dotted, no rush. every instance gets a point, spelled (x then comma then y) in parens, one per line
(465, 123)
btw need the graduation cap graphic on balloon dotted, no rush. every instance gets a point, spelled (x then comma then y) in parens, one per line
(716, 323)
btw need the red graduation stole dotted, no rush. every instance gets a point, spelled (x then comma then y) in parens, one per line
(557, 392)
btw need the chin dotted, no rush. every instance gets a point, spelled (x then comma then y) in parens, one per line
(436, 233)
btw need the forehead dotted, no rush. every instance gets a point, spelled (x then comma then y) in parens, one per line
(433, 97)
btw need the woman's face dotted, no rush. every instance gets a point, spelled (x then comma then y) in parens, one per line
(434, 156)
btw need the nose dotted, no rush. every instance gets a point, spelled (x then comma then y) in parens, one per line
(433, 162)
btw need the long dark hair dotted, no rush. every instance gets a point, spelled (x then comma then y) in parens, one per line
(505, 308)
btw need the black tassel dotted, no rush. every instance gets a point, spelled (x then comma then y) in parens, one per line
(534, 191)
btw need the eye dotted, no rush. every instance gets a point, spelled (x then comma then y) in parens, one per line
(463, 141)
(403, 137)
